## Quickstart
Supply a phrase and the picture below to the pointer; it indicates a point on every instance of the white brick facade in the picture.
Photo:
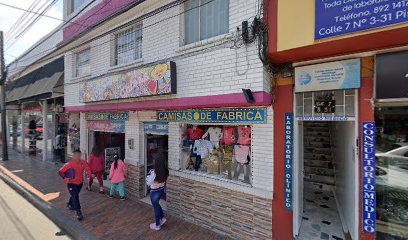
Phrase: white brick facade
(206, 68)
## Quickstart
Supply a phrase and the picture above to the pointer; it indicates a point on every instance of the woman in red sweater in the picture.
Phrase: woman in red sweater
(73, 175)
(96, 162)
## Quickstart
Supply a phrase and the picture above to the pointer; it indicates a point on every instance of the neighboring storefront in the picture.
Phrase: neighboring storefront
(391, 118)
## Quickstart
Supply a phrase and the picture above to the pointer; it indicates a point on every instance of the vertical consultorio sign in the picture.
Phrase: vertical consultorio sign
(368, 178)
(288, 161)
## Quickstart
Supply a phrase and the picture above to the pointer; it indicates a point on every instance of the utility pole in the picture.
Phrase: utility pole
(3, 77)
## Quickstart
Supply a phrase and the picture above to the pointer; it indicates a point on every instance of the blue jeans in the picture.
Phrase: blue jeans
(197, 163)
(121, 187)
(74, 199)
(155, 196)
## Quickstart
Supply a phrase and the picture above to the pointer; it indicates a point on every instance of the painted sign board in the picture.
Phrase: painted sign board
(155, 80)
(368, 178)
(328, 76)
(244, 115)
(107, 116)
(156, 127)
(326, 119)
(338, 17)
(288, 158)
(106, 126)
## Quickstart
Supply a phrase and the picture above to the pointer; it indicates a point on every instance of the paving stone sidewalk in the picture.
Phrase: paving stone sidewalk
(106, 218)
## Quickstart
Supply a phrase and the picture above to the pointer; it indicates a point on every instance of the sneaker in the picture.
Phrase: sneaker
(110, 196)
(122, 198)
(69, 207)
(153, 226)
(79, 216)
(163, 221)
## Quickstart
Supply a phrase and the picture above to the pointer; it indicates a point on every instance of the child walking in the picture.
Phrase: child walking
(73, 175)
(117, 176)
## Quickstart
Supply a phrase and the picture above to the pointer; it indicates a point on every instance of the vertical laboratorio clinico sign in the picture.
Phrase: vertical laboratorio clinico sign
(368, 178)
(288, 158)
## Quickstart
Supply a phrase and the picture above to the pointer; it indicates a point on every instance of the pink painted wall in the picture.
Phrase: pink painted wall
(94, 16)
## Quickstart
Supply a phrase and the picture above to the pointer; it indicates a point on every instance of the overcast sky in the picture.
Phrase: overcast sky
(8, 16)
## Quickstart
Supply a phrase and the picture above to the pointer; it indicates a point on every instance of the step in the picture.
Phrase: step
(317, 144)
(318, 156)
(316, 129)
(319, 164)
(316, 134)
(329, 180)
(317, 138)
(316, 124)
(312, 186)
(319, 171)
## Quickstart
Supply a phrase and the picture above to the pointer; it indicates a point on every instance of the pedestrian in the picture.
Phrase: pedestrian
(117, 176)
(73, 175)
(96, 162)
(157, 182)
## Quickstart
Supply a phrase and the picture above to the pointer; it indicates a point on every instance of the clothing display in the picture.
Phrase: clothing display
(241, 153)
(202, 148)
(223, 151)
(215, 134)
(228, 135)
(244, 135)
(195, 133)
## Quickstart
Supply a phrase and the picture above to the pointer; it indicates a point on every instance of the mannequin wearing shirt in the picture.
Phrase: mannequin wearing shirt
(215, 135)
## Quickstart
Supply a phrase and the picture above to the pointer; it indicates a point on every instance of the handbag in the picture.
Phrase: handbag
(150, 177)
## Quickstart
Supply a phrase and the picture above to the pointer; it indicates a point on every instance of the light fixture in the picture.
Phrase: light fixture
(249, 96)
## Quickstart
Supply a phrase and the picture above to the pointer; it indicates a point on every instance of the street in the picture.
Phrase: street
(21, 220)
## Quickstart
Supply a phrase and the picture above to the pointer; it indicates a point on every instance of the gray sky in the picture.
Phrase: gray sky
(8, 16)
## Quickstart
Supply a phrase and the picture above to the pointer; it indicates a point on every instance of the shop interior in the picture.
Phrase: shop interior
(157, 146)
(327, 192)
(111, 144)
(220, 150)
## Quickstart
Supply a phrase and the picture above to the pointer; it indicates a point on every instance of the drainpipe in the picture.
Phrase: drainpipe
(45, 130)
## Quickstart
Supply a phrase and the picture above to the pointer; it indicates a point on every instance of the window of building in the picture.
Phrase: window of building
(128, 45)
(83, 63)
(220, 150)
(75, 4)
(392, 172)
(204, 19)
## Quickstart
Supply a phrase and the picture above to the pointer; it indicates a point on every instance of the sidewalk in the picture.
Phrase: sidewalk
(106, 218)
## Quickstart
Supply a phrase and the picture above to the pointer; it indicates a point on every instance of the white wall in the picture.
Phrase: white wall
(215, 71)
(343, 143)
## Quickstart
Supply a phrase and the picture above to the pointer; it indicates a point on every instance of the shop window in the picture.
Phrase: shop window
(128, 45)
(392, 172)
(83, 63)
(223, 151)
(204, 19)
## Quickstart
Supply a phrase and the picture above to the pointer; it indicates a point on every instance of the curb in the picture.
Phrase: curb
(71, 227)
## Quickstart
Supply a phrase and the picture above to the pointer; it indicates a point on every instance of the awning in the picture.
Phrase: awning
(38, 84)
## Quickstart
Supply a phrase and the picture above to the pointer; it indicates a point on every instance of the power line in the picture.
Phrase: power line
(148, 15)
(22, 17)
(29, 25)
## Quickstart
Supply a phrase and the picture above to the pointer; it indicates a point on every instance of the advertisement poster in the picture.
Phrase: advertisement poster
(328, 76)
(106, 126)
(150, 81)
(338, 17)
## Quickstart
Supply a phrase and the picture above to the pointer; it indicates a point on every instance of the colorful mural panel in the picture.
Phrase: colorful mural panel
(149, 81)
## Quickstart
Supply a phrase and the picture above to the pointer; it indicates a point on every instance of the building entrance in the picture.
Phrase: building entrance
(326, 193)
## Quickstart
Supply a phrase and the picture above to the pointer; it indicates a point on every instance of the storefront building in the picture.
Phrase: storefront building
(146, 85)
(343, 174)
(35, 111)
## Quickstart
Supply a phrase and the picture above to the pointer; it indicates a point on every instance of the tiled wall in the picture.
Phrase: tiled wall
(231, 213)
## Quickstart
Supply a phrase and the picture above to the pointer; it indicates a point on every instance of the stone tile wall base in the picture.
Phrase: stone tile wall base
(234, 214)
(135, 181)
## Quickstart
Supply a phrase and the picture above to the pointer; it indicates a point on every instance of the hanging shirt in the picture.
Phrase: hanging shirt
(195, 134)
(228, 137)
(202, 147)
(215, 136)
(241, 153)
(244, 135)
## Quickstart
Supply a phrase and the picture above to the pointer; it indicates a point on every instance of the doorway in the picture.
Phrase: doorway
(326, 183)
(156, 147)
